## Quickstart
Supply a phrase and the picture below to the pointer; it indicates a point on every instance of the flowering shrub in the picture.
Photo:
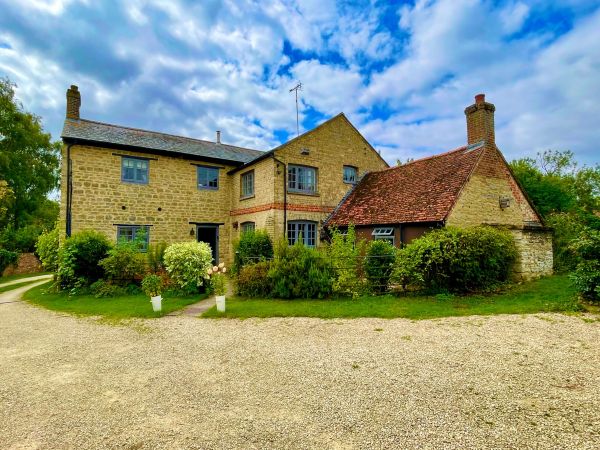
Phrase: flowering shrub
(187, 264)
(217, 279)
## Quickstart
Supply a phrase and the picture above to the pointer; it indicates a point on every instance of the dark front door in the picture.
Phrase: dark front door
(210, 235)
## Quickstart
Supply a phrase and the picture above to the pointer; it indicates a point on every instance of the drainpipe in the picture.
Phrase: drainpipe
(69, 191)
(284, 195)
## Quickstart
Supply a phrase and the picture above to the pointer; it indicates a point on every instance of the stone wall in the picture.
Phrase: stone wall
(27, 263)
(171, 199)
(535, 253)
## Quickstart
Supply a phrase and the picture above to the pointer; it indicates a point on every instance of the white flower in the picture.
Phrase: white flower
(209, 271)
(215, 269)
(224, 270)
(221, 265)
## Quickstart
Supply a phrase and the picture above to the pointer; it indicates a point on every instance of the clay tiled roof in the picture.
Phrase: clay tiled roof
(98, 132)
(421, 191)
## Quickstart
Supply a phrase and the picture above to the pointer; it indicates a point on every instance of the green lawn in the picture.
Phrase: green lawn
(22, 275)
(126, 307)
(552, 294)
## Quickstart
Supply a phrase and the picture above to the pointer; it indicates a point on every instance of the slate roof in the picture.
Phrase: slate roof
(98, 132)
(420, 191)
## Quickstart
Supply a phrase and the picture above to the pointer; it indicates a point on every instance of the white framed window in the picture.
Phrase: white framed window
(350, 174)
(384, 234)
(248, 184)
(302, 229)
(302, 179)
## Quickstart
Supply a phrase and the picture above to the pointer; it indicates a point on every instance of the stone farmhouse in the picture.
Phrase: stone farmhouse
(468, 186)
(120, 180)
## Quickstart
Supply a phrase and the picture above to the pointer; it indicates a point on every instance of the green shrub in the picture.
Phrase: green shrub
(345, 255)
(457, 260)
(156, 257)
(47, 249)
(187, 264)
(152, 285)
(300, 272)
(7, 258)
(78, 259)
(587, 273)
(253, 280)
(566, 227)
(104, 289)
(124, 263)
(252, 247)
(379, 263)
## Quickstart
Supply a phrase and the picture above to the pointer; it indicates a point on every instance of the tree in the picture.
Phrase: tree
(29, 161)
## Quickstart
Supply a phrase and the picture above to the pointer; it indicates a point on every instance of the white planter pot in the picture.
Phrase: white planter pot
(221, 303)
(156, 303)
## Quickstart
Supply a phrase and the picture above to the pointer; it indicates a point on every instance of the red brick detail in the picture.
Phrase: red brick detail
(280, 206)
(27, 263)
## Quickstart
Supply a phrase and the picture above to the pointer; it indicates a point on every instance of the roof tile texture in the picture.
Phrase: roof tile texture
(421, 191)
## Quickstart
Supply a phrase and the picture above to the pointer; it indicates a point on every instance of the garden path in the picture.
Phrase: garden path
(14, 295)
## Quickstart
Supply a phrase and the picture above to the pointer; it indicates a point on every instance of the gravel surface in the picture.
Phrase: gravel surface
(181, 382)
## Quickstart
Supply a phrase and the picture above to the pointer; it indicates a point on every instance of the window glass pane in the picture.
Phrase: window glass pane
(208, 178)
(305, 230)
(134, 170)
(248, 184)
(302, 178)
(130, 232)
(349, 174)
(248, 226)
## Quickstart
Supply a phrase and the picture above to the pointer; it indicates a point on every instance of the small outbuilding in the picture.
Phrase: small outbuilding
(471, 185)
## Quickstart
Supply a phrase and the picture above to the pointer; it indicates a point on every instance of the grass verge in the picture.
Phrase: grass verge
(551, 294)
(125, 307)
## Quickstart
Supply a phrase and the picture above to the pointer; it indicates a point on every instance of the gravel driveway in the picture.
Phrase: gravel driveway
(182, 382)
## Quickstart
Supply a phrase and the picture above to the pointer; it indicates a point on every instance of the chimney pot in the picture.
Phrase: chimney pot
(218, 136)
(480, 98)
(73, 102)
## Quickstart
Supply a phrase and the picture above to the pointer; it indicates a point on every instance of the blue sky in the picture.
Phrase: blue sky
(403, 72)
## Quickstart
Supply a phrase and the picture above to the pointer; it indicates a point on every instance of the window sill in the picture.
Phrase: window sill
(247, 197)
(350, 182)
(137, 183)
(307, 194)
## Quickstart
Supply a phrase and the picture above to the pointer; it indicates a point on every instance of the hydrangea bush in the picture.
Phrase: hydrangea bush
(187, 264)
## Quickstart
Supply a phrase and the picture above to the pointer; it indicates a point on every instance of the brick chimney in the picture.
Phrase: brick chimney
(73, 102)
(480, 121)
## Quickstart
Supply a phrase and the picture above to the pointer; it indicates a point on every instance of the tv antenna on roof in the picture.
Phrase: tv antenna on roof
(297, 88)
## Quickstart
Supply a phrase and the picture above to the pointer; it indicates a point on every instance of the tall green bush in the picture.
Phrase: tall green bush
(47, 249)
(345, 254)
(187, 264)
(156, 256)
(7, 258)
(587, 273)
(379, 263)
(300, 272)
(459, 260)
(252, 247)
(79, 257)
